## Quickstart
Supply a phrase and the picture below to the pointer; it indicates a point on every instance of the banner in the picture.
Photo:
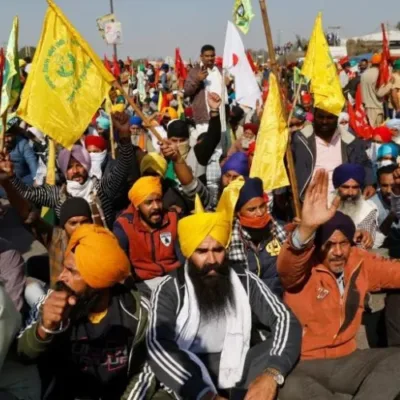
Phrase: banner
(102, 21)
(113, 32)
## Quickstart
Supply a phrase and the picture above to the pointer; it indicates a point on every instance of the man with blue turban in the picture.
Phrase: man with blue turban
(348, 181)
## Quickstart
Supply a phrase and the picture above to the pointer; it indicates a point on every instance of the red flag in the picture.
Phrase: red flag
(358, 117)
(116, 70)
(384, 73)
(107, 64)
(2, 62)
(181, 72)
(251, 62)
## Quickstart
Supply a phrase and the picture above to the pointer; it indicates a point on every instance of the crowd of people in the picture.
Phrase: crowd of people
(172, 273)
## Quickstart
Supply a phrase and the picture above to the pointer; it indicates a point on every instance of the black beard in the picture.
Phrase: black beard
(84, 302)
(149, 222)
(214, 293)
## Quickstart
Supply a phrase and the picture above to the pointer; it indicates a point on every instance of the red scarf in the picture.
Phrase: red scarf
(255, 222)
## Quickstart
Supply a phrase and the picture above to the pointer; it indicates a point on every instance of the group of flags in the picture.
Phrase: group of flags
(68, 83)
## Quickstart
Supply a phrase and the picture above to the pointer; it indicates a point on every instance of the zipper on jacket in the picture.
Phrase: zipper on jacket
(343, 302)
(153, 253)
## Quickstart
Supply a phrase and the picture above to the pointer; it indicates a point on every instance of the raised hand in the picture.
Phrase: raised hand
(121, 123)
(214, 101)
(316, 210)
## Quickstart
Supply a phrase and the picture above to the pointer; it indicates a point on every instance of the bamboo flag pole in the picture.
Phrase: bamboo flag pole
(274, 66)
(296, 99)
(138, 112)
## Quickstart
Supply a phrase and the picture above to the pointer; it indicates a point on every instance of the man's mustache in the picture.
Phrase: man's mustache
(75, 176)
(212, 267)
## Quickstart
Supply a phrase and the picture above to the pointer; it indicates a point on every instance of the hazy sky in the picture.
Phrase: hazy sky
(156, 27)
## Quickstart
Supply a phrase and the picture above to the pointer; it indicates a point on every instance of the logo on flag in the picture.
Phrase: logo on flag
(240, 11)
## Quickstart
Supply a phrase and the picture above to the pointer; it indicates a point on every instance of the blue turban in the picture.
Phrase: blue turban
(237, 162)
(388, 149)
(252, 188)
(135, 121)
(103, 122)
(339, 222)
(345, 172)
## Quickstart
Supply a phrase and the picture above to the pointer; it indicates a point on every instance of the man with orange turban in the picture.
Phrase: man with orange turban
(93, 321)
(373, 95)
(147, 234)
(202, 319)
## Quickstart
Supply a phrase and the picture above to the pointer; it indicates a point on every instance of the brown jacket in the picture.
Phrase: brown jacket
(330, 322)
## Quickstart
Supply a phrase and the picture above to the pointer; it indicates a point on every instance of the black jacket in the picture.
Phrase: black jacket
(304, 154)
(174, 367)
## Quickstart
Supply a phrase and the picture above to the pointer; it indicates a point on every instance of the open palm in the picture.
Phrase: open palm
(316, 210)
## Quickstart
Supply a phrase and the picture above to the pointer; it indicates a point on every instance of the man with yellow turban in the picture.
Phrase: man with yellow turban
(147, 233)
(199, 336)
(95, 323)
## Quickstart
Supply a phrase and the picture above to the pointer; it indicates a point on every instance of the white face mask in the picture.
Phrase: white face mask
(384, 163)
(97, 161)
(75, 189)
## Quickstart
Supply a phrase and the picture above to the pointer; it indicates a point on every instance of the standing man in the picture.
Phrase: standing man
(394, 104)
(373, 96)
(325, 145)
(207, 78)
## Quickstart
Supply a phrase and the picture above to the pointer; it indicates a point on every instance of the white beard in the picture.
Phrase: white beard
(352, 208)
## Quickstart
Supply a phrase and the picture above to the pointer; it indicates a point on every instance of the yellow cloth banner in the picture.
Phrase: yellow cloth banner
(67, 82)
(268, 161)
(320, 68)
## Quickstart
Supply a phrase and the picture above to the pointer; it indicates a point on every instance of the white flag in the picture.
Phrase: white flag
(236, 63)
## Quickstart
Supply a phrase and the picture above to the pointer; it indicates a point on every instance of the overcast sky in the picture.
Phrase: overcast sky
(156, 27)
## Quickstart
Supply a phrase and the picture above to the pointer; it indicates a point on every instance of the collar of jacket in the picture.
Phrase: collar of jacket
(345, 135)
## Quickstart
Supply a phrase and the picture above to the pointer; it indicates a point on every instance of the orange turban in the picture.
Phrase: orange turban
(143, 188)
(98, 257)
(376, 59)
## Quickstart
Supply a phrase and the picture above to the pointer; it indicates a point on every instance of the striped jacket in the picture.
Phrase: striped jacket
(108, 188)
(176, 370)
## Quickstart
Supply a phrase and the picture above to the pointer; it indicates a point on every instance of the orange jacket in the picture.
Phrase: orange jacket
(330, 322)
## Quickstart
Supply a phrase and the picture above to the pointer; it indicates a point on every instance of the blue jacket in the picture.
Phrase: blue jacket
(24, 159)
(304, 154)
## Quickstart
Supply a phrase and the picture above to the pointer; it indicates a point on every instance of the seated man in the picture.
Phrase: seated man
(199, 340)
(91, 328)
(348, 180)
(147, 233)
(256, 236)
(326, 279)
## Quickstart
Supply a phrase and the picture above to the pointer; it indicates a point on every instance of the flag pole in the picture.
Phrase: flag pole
(138, 111)
(296, 99)
(274, 66)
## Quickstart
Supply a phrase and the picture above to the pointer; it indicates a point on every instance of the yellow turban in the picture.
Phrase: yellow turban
(99, 258)
(194, 229)
(118, 108)
(154, 162)
(143, 188)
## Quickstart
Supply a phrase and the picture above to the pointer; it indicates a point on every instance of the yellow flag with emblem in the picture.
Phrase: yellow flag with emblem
(67, 82)
(320, 68)
(268, 161)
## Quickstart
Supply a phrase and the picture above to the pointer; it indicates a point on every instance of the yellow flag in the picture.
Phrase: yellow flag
(320, 68)
(67, 82)
(268, 162)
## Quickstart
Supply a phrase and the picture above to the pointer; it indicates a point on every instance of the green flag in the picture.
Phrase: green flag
(11, 80)
(243, 14)
(298, 78)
